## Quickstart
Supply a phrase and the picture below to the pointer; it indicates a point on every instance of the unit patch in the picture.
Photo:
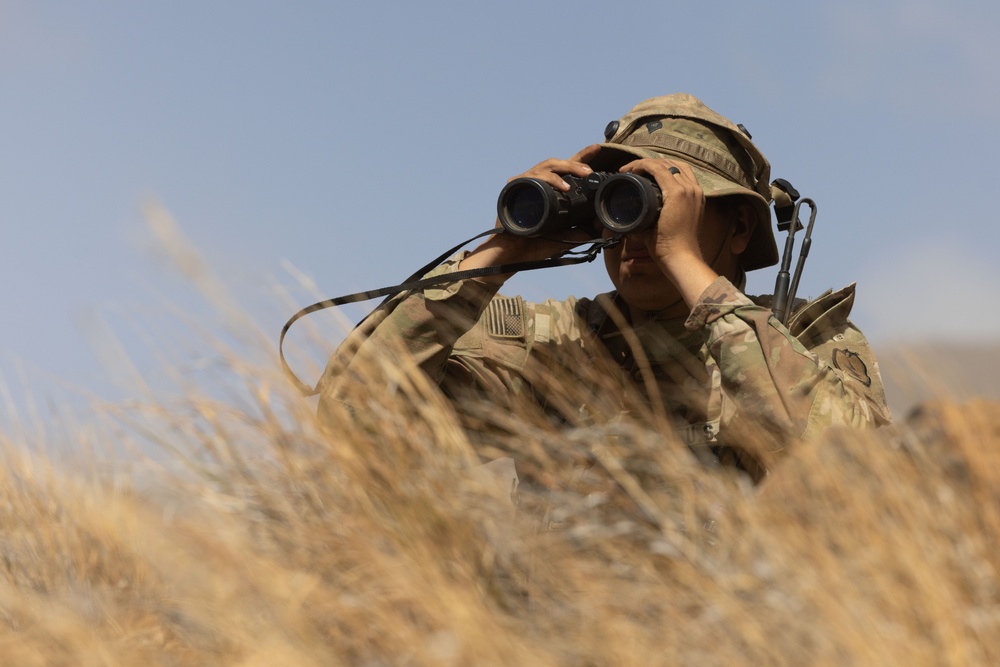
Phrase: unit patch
(852, 364)
(505, 317)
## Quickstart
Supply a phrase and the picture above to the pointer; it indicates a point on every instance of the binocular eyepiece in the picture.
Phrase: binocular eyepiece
(622, 203)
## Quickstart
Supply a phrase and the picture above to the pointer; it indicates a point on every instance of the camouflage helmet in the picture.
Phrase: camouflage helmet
(723, 158)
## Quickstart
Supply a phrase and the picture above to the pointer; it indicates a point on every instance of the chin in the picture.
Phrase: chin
(649, 300)
(644, 288)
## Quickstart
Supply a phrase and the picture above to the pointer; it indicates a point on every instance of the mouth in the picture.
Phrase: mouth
(636, 256)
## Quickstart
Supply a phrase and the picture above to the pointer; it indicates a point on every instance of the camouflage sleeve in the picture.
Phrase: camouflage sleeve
(817, 372)
(425, 324)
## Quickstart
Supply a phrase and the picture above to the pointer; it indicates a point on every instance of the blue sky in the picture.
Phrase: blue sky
(310, 149)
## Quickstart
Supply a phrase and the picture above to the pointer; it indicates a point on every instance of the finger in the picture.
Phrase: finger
(550, 171)
(666, 172)
(680, 169)
(555, 179)
(552, 178)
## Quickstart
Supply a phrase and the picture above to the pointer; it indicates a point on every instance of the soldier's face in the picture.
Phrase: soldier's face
(643, 285)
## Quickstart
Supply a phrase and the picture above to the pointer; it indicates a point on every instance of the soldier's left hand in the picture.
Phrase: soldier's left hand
(675, 236)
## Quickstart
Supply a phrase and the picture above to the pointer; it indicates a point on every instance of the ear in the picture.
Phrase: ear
(744, 224)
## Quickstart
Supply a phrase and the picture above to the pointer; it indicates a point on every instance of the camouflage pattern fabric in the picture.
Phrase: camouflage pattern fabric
(727, 370)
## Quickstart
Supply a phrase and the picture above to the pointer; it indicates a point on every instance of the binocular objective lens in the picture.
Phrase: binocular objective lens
(623, 203)
(526, 207)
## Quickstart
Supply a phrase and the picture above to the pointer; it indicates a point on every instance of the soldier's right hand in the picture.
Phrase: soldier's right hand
(552, 170)
(507, 248)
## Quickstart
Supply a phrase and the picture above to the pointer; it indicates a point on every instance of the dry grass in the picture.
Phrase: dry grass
(267, 539)
(372, 543)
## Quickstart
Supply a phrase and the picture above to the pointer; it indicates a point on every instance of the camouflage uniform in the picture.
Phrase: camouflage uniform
(726, 370)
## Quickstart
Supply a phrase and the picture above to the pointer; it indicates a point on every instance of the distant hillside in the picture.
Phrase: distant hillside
(916, 372)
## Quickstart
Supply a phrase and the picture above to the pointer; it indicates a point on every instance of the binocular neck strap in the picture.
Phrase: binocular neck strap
(417, 282)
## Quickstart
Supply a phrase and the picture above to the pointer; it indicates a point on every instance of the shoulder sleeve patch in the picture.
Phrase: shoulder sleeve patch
(852, 364)
(505, 318)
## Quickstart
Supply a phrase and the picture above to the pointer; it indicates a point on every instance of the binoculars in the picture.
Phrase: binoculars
(622, 203)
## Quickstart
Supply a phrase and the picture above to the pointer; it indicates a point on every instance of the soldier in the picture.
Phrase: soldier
(677, 328)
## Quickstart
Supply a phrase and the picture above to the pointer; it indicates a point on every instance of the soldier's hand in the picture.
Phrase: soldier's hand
(676, 231)
(552, 170)
(674, 242)
(507, 248)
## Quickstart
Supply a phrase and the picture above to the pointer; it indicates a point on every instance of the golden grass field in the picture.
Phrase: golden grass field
(254, 536)
(260, 538)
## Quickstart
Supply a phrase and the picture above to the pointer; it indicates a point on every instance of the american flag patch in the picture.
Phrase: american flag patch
(505, 317)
